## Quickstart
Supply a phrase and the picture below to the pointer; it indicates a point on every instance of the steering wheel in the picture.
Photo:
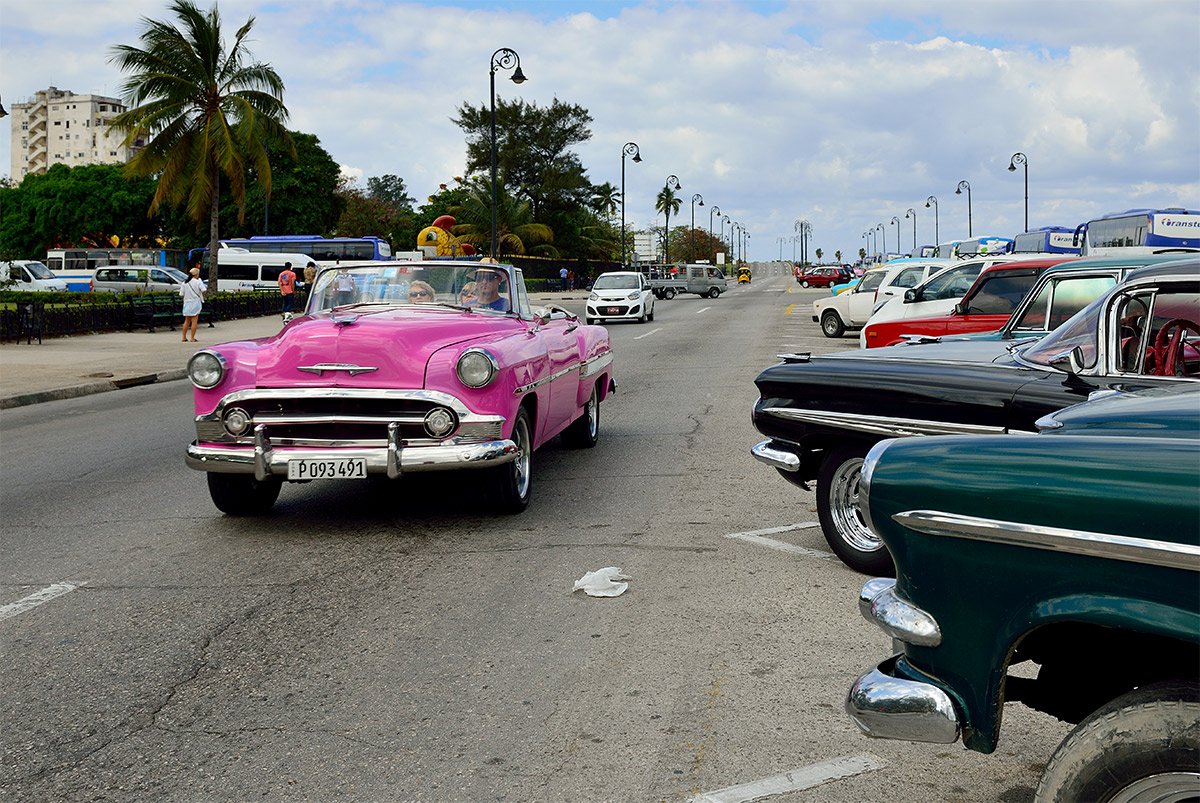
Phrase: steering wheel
(1169, 347)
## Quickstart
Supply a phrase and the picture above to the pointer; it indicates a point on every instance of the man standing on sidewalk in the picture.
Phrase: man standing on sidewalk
(562, 278)
(287, 287)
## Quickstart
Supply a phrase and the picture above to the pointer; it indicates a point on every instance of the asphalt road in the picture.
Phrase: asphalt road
(369, 641)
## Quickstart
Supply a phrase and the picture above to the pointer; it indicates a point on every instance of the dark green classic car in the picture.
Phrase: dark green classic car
(1078, 550)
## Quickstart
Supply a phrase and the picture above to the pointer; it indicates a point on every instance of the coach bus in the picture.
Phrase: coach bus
(1046, 240)
(77, 266)
(1141, 231)
(318, 248)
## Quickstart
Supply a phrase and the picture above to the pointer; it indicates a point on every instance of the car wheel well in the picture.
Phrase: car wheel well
(1067, 652)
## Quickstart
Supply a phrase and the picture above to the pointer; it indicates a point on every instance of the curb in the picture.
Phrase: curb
(75, 391)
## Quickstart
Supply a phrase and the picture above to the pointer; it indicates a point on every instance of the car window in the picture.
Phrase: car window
(1081, 331)
(869, 282)
(999, 294)
(38, 270)
(1065, 297)
(952, 282)
(909, 277)
(615, 282)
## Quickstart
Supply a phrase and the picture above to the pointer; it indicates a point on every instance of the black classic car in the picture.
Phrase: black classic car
(822, 413)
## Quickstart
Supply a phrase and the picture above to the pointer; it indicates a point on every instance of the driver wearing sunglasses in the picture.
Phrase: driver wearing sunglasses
(487, 289)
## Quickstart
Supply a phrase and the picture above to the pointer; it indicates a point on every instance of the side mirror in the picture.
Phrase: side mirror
(1071, 362)
(960, 308)
(910, 296)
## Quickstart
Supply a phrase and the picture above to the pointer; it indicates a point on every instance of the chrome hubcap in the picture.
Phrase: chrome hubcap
(1167, 787)
(521, 464)
(843, 507)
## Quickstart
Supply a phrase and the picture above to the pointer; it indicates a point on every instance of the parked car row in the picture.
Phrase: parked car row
(1075, 552)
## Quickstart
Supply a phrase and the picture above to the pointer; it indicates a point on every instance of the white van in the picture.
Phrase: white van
(239, 269)
(29, 274)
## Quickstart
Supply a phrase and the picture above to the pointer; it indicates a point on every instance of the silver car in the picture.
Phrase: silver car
(135, 279)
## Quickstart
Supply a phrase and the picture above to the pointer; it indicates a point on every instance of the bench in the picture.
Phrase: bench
(153, 310)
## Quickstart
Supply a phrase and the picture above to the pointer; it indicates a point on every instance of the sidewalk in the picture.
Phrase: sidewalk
(67, 367)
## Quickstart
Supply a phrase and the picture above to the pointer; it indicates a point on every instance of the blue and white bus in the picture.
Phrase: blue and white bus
(319, 248)
(77, 266)
(1142, 231)
(965, 249)
(1046, 240)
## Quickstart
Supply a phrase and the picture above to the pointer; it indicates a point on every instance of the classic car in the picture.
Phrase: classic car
(821, 276)
(620, 295)
(852, 309)
(822, 413)
(936, 295)
(1060, 571)
(997, 291)
(397, 368)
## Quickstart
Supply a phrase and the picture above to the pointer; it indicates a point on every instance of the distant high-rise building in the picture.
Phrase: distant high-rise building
(59, 126)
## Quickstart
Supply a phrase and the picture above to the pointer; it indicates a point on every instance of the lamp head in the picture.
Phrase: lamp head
(637, 157)
(1012, 168)
(518, 77)
(958, 191)
(927, 204)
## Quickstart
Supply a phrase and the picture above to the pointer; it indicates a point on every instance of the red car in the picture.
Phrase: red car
(986, 306)
(823, 277)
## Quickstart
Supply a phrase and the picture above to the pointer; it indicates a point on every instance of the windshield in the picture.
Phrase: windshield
(484, 287)
(1080, 330)
(952, 282)
(176, 274)
(869, 281)
(38, 270)
(615, 281)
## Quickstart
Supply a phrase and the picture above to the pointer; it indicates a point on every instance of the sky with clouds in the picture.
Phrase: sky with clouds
(844, 113)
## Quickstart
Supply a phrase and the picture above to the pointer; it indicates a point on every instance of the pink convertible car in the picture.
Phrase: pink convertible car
(398, 367)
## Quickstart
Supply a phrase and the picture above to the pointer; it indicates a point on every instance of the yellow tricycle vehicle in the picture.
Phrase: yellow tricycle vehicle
(743, 276)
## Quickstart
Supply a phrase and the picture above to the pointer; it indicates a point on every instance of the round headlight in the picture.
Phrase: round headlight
(633, 296)
(206, 369)
(476, 368)
(439, 422)
(593, 297)
(237, 421)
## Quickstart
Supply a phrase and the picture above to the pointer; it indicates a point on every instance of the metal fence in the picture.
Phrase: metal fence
(31, 320)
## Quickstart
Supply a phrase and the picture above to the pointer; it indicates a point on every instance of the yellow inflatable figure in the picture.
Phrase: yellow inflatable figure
(436, 240)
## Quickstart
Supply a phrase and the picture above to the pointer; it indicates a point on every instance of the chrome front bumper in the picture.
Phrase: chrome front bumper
(885, 705)
(766, 453)
(263, 460)
(888, 707)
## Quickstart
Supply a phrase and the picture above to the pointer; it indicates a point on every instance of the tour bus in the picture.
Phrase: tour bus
(313, 246)
(77, 266)
(1141, 231)
(1046, 240)
(983, 245)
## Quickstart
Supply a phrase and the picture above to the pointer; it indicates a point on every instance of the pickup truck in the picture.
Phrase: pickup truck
(702, 280)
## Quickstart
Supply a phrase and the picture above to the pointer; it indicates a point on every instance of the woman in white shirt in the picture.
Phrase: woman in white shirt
(193, 301)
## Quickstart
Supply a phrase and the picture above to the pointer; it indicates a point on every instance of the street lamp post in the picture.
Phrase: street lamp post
(629, 149)
(1019, 158)
(503, 59)
(721, 236)
(672, 182)
(937, 237)
(711, 211)
(745, 244)
(913, 214)
(966, 185)
(696, 197)
(883, 239)
(866, 238)
(896, 220)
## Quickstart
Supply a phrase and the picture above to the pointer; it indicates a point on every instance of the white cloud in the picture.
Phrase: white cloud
(846, 114)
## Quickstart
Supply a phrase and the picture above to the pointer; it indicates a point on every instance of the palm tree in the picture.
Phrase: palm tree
(516, 232)
(206, 110)
(837, 255)
(605, 198)
(818, 252)
(667, 202)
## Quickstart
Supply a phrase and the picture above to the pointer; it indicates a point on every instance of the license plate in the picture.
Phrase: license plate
(343, 468)
(614, 310)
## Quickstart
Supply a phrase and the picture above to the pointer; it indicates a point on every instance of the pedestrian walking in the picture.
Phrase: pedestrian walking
(562, 278)
(287, 287)
(310, 274)
(570, 280)
(193, 301)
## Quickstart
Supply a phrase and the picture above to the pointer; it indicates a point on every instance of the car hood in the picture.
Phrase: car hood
(391, 345)
(964, 351)
(1169, 412)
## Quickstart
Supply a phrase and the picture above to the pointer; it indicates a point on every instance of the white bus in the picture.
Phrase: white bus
(1142, 231)
(255, 270)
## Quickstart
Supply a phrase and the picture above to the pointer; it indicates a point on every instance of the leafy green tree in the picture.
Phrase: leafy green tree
(516, 231)
(390, 190)
(204, 109)
(303, 198)
(667, 202)
(533, 156)
(605, 199)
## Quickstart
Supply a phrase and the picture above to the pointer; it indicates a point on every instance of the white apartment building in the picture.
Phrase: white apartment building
(59, 126)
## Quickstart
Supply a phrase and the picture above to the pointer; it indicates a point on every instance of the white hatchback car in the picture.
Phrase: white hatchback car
(620, 295)
(852, 308)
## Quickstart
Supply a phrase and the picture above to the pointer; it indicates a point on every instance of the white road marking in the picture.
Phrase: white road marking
(703, 309)
(794, 780)
(757, 537)
(35, 599)
(652, 331)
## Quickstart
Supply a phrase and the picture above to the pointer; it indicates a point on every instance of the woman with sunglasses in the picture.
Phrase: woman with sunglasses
(466, 296)
(420, 292)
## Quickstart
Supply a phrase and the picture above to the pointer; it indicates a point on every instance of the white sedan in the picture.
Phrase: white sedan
(620, 295)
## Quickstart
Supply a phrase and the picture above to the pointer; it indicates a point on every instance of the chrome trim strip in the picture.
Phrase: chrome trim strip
(464, 414)
(320, 368)
(766, 453)
(887, 707)
(1054, 539)
(882, 606)
(278, 420)
(596, 364)
(545, 380)
(886, 426)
